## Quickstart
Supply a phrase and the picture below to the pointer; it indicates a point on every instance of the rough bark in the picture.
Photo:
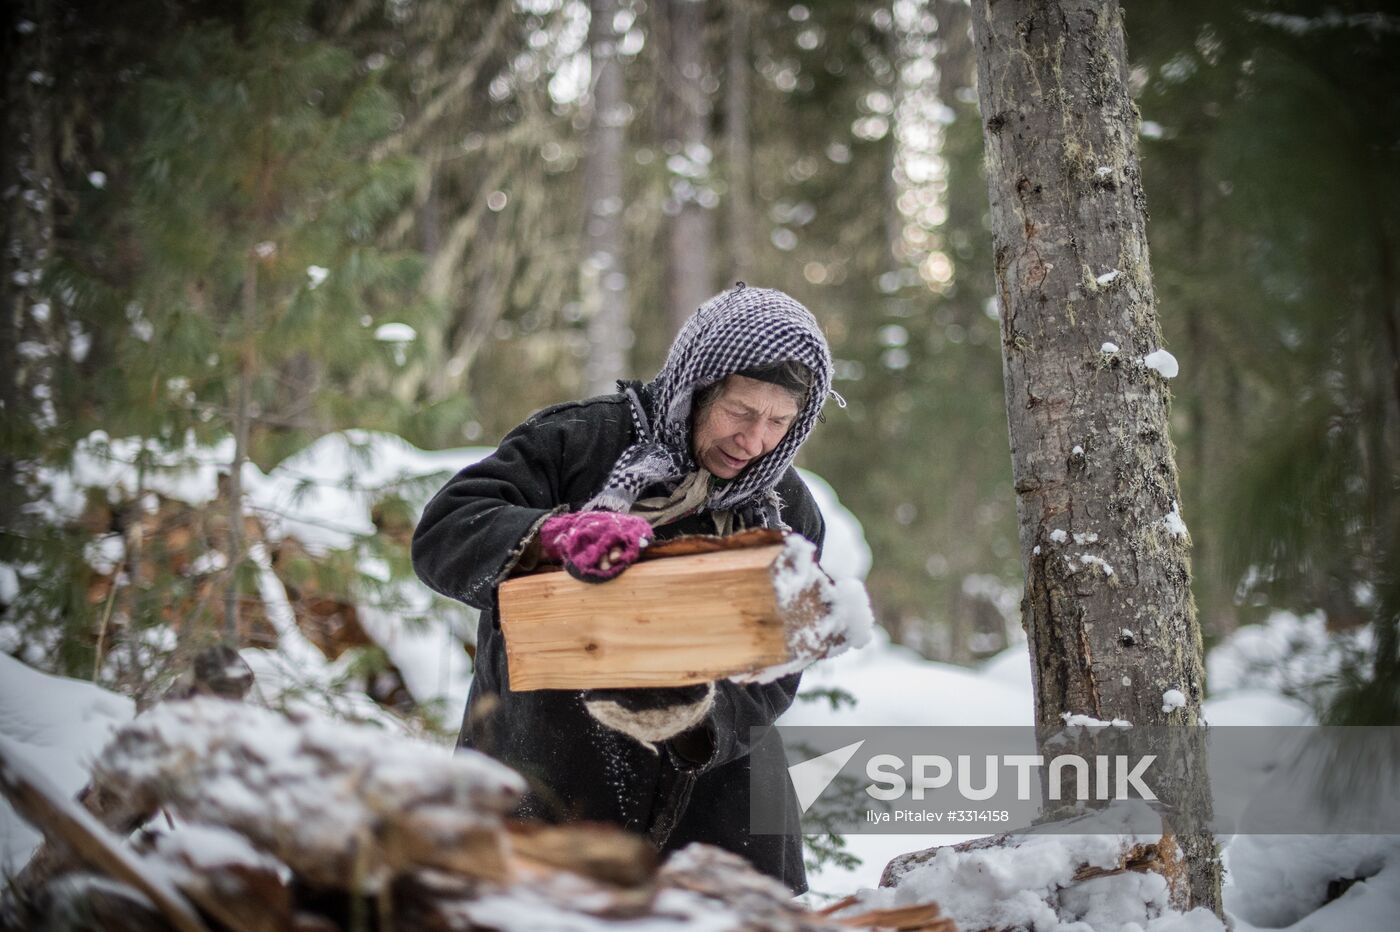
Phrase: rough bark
(604, 279)
(1107, 605)
(739, 154)
(687, 109)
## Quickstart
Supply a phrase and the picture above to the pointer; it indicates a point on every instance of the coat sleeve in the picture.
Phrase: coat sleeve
(474, 530)
(738, 707)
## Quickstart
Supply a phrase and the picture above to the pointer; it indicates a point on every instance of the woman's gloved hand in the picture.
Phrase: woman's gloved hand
(594, 546)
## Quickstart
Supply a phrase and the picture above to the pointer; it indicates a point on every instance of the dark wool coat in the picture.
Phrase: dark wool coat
(471, 535)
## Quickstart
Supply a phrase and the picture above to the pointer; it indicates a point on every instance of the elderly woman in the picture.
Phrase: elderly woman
(704, 448)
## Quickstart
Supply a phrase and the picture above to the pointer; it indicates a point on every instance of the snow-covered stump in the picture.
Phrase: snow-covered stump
(343, 806)
(1048, 881)
(752, 607)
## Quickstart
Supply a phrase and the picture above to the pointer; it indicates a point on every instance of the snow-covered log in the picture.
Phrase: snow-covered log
(752, 606)
(228, 878)
(1089, 871)
(295, 820)
(63, 821)
(345, 806)
(216, 671)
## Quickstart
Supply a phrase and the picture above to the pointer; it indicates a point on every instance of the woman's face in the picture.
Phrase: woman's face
(747, 420)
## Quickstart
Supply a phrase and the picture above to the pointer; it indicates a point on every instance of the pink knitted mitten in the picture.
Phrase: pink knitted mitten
(594, 546)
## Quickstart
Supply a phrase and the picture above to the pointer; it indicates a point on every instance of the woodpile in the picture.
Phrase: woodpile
(268, 821)
(163, 537)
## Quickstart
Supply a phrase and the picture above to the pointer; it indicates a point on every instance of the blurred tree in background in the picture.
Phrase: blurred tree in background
(214, 210)
(1273, 134)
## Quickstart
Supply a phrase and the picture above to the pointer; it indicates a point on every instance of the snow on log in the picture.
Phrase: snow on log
(753, 606)
(64, 821)
(345, 806)
(216, 671)
(1102, 877)
(227, 877)
(289, 820)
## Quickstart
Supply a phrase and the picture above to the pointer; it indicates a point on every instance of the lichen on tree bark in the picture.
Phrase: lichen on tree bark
(1108, 606)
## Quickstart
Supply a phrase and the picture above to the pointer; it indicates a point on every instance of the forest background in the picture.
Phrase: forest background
(269, 221)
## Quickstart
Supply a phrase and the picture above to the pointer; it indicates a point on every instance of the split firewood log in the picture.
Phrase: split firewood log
(751, 606)
(601, 851)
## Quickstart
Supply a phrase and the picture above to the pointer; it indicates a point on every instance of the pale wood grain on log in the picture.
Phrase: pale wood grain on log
(664, 622)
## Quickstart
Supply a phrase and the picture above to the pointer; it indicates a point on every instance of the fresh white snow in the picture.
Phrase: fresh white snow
(56, 724)
(1161, 362)
(1259, 675)
(395, 333)
(1175, 526)
(1030, 886)
(1091, 724)
(847, 623)
(1273, 882)
(1287, 655)
(1088, 559)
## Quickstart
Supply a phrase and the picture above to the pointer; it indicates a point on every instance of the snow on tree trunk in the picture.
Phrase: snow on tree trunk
(1107, 604)
(604, 280)
(686, 110)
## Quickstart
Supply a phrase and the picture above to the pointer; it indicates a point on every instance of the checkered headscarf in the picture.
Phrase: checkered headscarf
(736, 330)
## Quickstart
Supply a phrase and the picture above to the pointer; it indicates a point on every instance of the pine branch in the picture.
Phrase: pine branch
(456, 90)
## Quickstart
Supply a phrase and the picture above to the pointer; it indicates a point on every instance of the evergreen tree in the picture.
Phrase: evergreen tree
(229, 253)
(1272, 140)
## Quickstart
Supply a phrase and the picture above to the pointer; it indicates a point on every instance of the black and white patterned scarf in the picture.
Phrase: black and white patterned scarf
(736, 330)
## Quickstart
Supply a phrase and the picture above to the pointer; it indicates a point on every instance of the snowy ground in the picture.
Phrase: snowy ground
(1274, 882)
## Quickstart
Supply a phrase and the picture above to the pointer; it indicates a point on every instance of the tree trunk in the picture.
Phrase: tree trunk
(603, 277)
(1107, 605)
(29, 179)
(242, 418)
(687, 112)
(740, 148)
